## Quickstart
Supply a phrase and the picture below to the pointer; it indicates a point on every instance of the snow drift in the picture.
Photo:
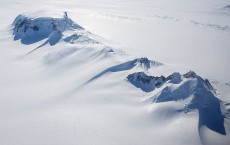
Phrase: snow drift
(74, 60)
(174, 87)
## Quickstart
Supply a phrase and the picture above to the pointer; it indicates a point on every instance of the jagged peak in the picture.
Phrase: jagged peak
(190, 74)
(199, 94)
(139, 78)
(145, 63)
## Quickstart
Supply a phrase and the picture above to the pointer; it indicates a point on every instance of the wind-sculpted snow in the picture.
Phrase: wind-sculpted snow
(54, 30)
(30, 30)
(143, 63)
(190, 85)
(90, 71)
(203, 99)
(176, 88)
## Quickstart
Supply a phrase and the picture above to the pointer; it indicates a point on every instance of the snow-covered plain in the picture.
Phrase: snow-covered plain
(86, 81)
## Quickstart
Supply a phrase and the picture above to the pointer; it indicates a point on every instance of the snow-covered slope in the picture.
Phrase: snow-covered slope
(61, 84)
(31, 31)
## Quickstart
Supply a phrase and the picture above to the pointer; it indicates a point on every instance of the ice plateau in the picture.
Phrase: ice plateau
(78, 82)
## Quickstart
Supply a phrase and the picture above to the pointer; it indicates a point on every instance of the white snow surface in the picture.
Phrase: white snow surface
(67, 85)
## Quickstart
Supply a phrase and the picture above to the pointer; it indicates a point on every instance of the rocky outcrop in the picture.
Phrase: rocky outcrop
(75, 38)
(30, 30)
(142, 81)
(198, 91)
(202, 96)
(145, 63)
(149, 83)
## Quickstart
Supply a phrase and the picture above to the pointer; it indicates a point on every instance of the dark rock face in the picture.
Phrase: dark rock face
(23, 23)
(145, 63)
(140, 77)
(72, 38)
(75, 38)
(190, 74)
(160, 81)
(35, 28)
(142, 81)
